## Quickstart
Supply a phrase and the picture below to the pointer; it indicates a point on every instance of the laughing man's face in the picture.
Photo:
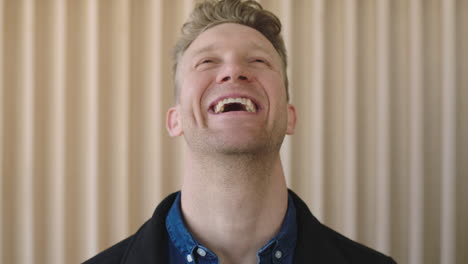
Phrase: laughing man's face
(232, 97)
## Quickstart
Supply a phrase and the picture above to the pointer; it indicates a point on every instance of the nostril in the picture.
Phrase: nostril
(242, 78)
(227, 78)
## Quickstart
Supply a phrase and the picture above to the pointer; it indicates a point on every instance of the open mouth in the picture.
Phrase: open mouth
(234, 104)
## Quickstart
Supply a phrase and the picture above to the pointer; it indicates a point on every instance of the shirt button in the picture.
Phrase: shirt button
(201, 252)
(278, 254)
(189, 258)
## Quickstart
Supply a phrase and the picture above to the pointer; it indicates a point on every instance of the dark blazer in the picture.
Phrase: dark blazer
(316, 243)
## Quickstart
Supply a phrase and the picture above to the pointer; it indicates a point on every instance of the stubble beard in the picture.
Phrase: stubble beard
(247, 159)
(221, 145)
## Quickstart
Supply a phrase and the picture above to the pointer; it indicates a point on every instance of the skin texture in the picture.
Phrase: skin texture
(234, 196)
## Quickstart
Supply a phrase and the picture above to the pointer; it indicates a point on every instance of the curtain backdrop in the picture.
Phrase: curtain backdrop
(380, 153)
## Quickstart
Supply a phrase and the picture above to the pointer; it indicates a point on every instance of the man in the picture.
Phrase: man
(232, 109)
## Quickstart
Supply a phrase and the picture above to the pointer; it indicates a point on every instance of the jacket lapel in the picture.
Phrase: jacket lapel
(149, 245)
(313, 245)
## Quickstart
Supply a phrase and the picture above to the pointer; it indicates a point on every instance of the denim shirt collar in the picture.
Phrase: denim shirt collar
(283, 242)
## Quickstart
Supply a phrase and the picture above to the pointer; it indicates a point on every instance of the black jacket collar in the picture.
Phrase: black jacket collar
(316, 243)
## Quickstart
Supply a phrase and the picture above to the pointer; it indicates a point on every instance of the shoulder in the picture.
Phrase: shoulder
(353, 251)
(318, 243)
(112, 255)
(147, 245)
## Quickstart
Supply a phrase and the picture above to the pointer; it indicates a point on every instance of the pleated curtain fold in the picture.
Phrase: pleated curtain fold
(380, 152)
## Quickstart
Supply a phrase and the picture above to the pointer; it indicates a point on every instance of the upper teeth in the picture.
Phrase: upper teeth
(249, 105)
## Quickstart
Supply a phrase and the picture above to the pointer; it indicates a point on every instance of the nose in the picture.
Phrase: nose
(233, 73)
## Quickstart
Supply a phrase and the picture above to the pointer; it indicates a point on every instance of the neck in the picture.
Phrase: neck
(234, 205)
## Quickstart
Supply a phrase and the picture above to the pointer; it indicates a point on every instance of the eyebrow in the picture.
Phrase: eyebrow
(214, 46)
(204, 49)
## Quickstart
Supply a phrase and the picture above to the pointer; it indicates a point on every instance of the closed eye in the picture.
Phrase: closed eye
(206, 61)
(260, 62)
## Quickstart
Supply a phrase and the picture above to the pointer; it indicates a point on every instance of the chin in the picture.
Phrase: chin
(254, 146)
(238, 150)
(236, 143)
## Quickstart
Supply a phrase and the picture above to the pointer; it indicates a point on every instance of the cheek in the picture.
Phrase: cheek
(193, 86)
(204, 82)
(192, 91)
(274, 86)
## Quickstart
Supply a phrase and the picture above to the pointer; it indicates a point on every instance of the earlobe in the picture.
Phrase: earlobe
(173, 124)
(291, 119)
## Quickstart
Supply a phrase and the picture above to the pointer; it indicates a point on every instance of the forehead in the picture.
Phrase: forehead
(230, 35)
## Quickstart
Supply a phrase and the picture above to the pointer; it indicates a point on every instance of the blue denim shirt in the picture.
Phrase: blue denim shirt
(185, 249)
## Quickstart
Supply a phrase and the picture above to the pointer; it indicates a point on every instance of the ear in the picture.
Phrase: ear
(291, 120)
(173, 124)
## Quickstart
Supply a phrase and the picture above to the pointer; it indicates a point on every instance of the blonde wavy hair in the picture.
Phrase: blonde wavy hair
(210, 13)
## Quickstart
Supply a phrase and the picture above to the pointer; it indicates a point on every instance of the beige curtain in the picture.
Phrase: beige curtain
(380, 154)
